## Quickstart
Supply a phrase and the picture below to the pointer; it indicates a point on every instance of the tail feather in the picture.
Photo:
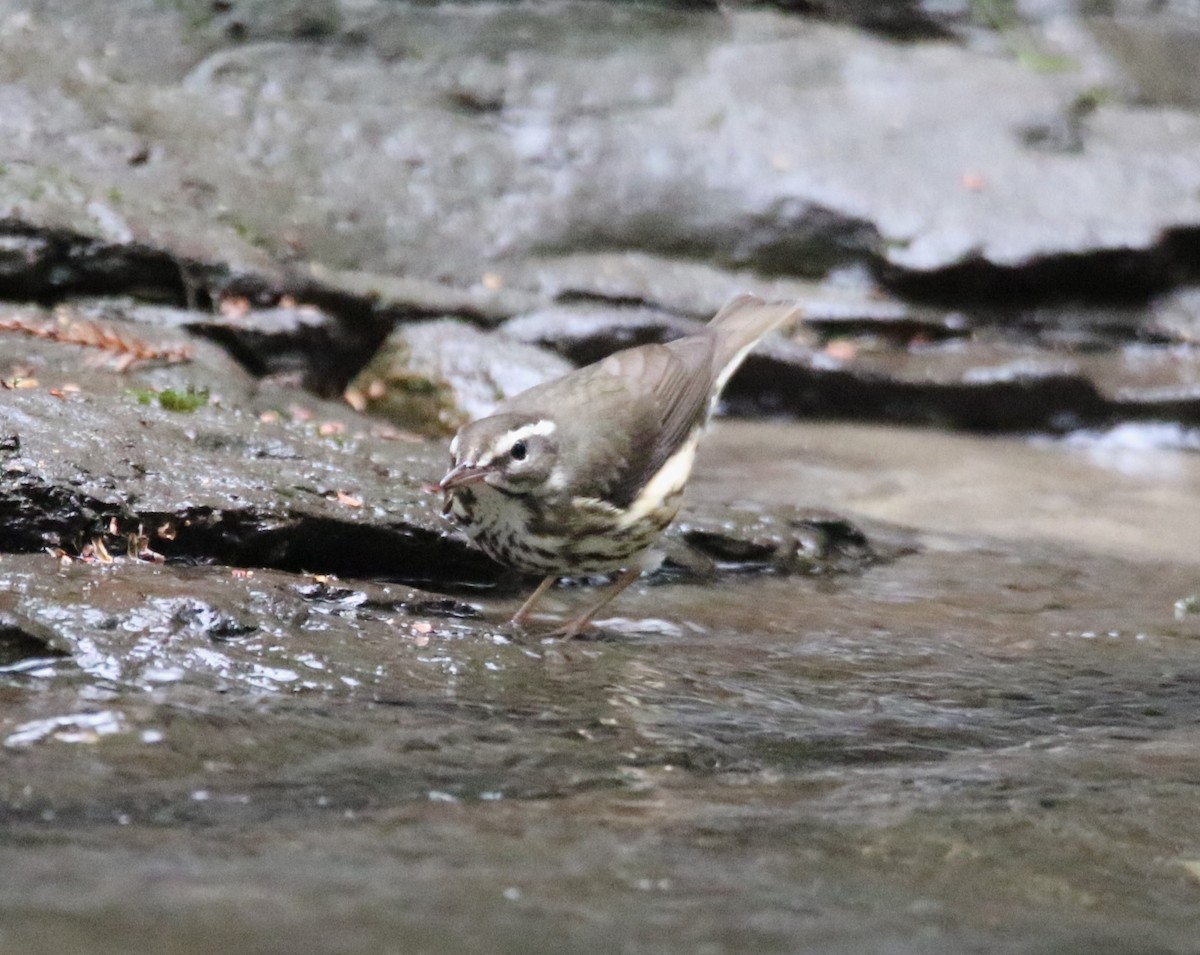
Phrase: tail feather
(738, 327)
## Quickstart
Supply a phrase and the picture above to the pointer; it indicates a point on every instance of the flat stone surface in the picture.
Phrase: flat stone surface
(449, 140)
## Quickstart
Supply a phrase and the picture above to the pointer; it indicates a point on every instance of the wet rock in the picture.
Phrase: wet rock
(748, 537)
(597, 312)
(986, 383)
(1157, 45)
(263, 20)
(673, 145)
(319, 349)
(586, 333)
(25, 644)
(222, 484)
(252, 476)
(432, 378)
(486, 302)
(901, 19)
(631, 279)
(1177, 315)
(247, 473)
(144, 626)
(48, 264)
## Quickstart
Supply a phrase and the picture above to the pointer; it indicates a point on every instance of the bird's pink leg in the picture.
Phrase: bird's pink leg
(576, 625)
(519, 618)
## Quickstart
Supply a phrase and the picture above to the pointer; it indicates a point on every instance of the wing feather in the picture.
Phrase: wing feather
(637, 407)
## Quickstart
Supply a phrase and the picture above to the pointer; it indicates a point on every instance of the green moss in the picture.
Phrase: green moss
(184, 402)
(995, 14)
(414, 385)
(1041, 62)
(1087, 101)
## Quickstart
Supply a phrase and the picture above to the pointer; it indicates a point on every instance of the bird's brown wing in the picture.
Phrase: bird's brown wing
(670, 387)
(674, 383)
(623, 417)
(631, 411)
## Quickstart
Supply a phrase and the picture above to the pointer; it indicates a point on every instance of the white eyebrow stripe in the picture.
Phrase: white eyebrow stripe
(542, 428)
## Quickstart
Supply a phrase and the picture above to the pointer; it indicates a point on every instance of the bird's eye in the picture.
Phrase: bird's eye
(519, 451)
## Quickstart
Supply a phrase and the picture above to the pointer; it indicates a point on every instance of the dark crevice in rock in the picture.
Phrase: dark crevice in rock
(23, 641)
(1054, 403)
(313, 544)
(587, 297)
(895, 19)
(324, 350)
(48, 266)
(35, 516)
(799, 239)
(902, 20)
(360, 324)
(1105, 276)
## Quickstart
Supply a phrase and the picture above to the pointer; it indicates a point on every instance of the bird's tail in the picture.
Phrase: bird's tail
(739, 325)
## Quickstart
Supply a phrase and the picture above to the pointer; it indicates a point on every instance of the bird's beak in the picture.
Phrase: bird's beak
(460, 475)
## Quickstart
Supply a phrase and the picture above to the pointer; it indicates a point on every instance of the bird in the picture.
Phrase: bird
(580, 475)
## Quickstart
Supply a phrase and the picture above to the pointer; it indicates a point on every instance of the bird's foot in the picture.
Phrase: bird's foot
(576, 628)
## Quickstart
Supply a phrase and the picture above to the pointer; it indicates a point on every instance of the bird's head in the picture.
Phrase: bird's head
(511, 452)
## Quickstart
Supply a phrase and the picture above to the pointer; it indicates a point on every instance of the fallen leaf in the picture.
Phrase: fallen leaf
(235, 306)
(842, 349)
(973, 181)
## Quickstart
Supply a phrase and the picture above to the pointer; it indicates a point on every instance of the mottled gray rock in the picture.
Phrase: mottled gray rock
(585, 333)
(434, 377)
(1177, 315)
(458, 140)
(1157, 45)
(981, 385)
(321, 349)
(196, 460)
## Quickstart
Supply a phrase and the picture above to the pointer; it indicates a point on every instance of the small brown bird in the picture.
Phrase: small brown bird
(580, 475)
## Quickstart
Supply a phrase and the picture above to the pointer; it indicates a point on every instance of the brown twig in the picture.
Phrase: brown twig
(123, 350)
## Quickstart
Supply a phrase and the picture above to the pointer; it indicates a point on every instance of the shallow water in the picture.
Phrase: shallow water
(1132, 492)
(990, 744)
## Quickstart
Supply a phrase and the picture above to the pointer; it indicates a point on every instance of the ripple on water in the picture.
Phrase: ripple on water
(68, 728)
